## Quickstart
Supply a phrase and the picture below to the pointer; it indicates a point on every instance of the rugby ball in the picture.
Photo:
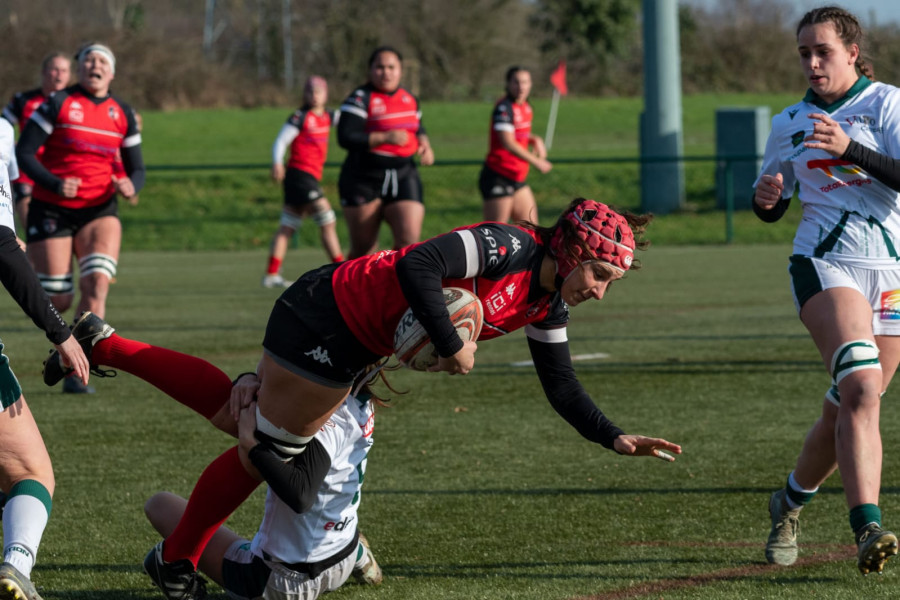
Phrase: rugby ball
(412, 345)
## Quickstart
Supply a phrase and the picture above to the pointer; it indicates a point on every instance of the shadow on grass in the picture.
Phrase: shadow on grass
(602, 492)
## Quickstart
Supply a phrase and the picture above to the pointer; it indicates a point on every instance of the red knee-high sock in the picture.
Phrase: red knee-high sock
(191, 381)
(222, 487)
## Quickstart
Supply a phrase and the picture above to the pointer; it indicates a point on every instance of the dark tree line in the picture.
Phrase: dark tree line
(201, 53)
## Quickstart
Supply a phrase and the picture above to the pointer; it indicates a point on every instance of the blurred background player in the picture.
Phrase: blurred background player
(74, 210)
(56, 70)
(839, 148)
(507, 198)
(306, 134)
(295, 554)
(26, 473)
(381, 128)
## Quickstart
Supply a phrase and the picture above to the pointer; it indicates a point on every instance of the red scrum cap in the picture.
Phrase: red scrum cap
(605, 232)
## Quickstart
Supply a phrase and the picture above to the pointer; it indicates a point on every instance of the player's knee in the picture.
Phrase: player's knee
(278, 440)
(858, 361)
(290, 220)
(57, 285)
(324, 217)
(101, 264)
(853, 357)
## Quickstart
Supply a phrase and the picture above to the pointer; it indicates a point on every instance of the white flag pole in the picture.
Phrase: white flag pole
(551, 123)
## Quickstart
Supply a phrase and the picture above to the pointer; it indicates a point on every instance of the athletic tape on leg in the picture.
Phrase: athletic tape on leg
(325, 217)
(97, 263)
(852, 357)
(290, 220)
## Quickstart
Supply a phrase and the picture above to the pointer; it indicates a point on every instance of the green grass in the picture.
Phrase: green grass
(238, 208)
(475, 488)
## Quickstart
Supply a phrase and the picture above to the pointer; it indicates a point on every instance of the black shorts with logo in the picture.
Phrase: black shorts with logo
(301, 188)
(361, 186)
(494, 185)
(307, 335)
(47, 221)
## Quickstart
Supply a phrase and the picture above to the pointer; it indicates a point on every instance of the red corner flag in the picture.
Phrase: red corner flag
(558, 78)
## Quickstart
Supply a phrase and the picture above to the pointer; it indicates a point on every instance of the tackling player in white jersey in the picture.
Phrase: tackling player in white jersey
(309, 542)
(839, 149)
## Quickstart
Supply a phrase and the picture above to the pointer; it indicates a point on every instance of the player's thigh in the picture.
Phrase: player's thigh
(51, 256)
(23, 454)
(888, 356)
(498, 209)
(405, 218)
(524, 205)
(100, 236)
(293, 402)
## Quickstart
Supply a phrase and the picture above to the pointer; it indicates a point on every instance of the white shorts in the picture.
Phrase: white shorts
(247, 576)
(881, 287)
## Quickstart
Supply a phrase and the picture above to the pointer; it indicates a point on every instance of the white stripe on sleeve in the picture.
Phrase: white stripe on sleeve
(471, 252)
(548, 336)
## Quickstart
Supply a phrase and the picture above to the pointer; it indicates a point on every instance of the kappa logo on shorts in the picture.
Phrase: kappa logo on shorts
(890, 305)
(319, 355)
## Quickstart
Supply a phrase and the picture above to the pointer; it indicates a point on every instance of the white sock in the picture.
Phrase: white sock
(24, 520)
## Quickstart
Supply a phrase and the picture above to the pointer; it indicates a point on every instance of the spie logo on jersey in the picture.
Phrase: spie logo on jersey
(76, 112)
(494, 250)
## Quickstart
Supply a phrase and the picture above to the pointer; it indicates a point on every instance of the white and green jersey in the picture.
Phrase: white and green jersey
(9, 171)
(847, 214)
(330, 525)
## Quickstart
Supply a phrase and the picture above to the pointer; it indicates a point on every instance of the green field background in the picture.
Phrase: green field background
(475, 489)
(237, 207)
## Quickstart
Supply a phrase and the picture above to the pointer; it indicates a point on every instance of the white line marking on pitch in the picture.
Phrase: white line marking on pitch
(575, 357)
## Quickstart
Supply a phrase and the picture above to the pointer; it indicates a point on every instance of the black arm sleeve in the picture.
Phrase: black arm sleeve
(567, 396)
(297, 481)
(32, 138)
(351, 132)
(774, 213)
(420, 274)
(133, 160)
(22, 284)
(880, 166)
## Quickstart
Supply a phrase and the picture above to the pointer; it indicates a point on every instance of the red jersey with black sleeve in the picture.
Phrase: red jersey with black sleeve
(515, 117)
(81, 135)
(499, 263)
(309, 146)
(367, 110)
(18, 111)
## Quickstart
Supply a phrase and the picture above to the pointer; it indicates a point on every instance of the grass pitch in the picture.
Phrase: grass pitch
(475, 488)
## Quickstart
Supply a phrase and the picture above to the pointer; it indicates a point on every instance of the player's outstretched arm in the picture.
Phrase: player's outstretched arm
(639, 445)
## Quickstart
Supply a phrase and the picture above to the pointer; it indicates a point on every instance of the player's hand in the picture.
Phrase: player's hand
(70, 187)
(22, 246)
(460, 363)
(827, 135)
(124, 186)
(639, 445)
(426, 154)
(540, 150)
(543, 165)
(243, 394)
(769, 191)
(278, 172)
(247, 427)
(73, 357)
(396, 137)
